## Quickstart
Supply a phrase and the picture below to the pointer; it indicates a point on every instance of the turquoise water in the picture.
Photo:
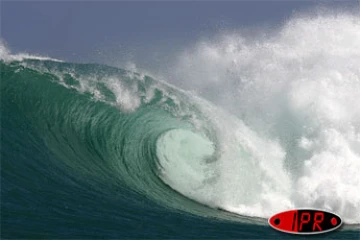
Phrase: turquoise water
(91, 151)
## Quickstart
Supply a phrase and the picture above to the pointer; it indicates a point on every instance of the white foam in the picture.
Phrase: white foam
(299, 89)
(127, 98)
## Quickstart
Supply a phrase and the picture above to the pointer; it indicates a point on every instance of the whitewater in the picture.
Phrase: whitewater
(251, 124)
(298, 89)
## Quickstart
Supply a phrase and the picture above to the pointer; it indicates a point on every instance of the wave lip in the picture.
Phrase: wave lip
(6, 55)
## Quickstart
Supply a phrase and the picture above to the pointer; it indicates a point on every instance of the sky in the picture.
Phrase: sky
(114, 32)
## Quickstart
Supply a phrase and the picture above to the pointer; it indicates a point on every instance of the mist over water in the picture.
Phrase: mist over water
(293, 137)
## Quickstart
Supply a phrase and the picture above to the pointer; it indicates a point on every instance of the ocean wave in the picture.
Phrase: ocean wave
(280, 127)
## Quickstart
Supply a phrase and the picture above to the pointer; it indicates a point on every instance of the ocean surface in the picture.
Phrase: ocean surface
(92, 151)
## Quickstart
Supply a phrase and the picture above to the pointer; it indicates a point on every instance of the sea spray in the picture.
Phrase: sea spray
(298, 88)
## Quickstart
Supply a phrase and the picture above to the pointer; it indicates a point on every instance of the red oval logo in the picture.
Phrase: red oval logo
(305, 221)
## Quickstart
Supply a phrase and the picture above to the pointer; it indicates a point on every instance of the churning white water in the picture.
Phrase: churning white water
(288, 134)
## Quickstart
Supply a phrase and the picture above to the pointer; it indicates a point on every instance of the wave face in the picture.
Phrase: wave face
(85, 146)
(280, 127)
